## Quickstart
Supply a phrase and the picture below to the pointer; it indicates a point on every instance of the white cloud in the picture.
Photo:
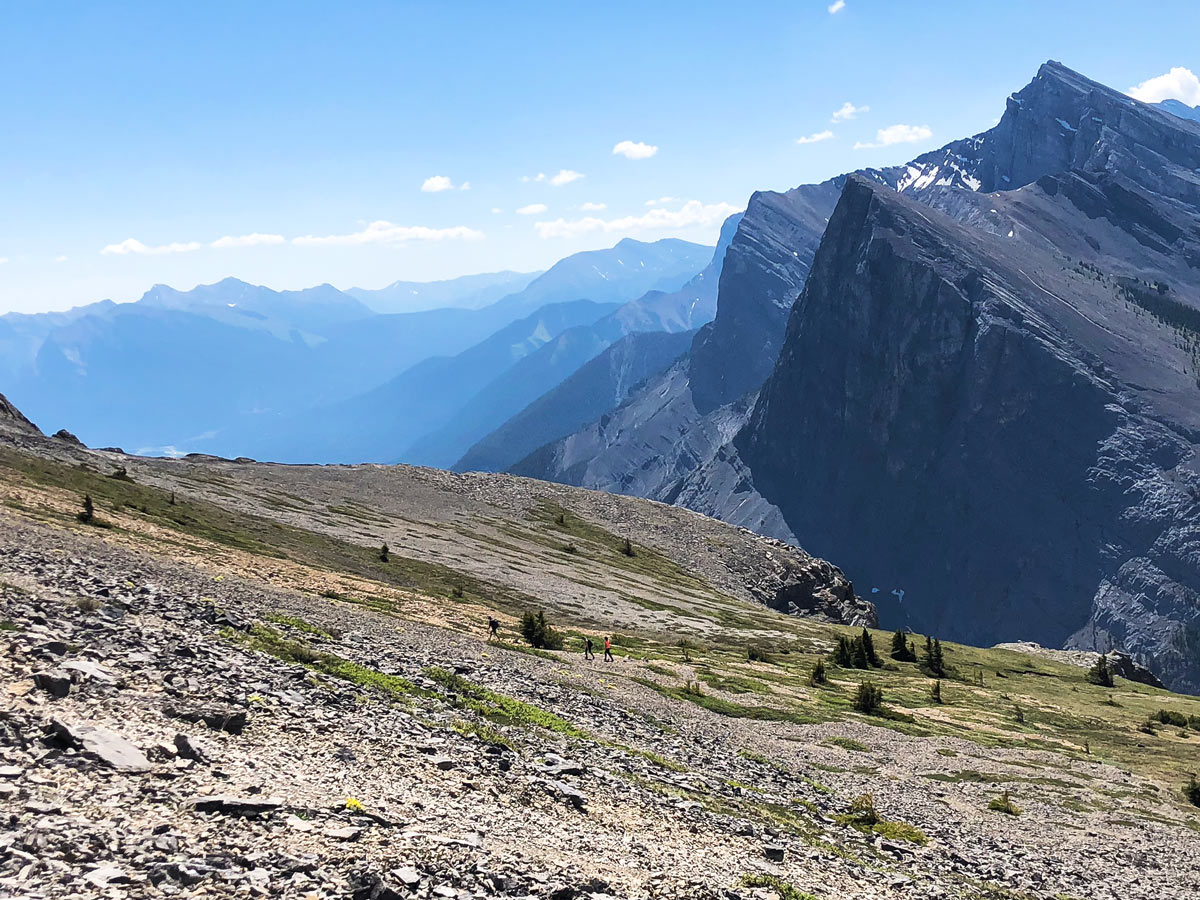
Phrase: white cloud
(564, 176)
(1178, 84)
(634, 150)
(132, 245)
(382, 232)
(62, 258)
(897, 134)
(593, 207)
(837, 6)
(465, 186)
(848, 111)
(815, 138)
(435, 184)
(247, 240)
(496, 209)
(691, 214)
(532, 209)
(661, 200)
(3, 260)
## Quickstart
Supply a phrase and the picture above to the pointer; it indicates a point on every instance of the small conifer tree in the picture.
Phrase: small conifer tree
(384, 553)
(1100, 674)
(868, 697)
(818, 674)
(869, 649)
(89, 510)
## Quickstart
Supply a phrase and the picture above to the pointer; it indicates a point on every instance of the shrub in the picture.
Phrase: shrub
(935, 692)
(1018, 714)
(384, 553)
(1100, 674)
(818, 674)
(570, 548)
(1191, 790)
(693, 688)
(456, 592)
(538, 633)
(87, 604)
(627, 548)
(1171, 717)
(862, 811)
(1004, 804)
(758, 653)
(868, 697)
(89, 510)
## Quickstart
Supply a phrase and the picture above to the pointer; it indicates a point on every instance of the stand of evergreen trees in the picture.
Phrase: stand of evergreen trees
(857, 652)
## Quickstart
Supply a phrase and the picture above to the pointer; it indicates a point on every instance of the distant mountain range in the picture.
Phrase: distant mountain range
(231, 368)
(984, 402)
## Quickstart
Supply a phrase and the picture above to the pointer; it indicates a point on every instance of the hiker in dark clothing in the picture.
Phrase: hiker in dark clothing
(608, 657)
(494, 626)
(587, 649)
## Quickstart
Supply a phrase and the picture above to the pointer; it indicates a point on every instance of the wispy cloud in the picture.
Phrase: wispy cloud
(247, 240)
(837, 6)
(691, 214)
(1178, 84)
(3, 260)
(382, 232)
(815, 138)
(897, 134)
(435, 184)
(662, 200)
(564, 176)
(593, 207)
(848, 111)
(532, 209)
(132, 245)
(634, 150)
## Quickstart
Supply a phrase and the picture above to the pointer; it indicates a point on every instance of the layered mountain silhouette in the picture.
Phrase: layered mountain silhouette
(225, 368)
(986, 394)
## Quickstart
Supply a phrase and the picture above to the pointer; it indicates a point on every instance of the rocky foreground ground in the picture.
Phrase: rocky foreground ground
(149, 747)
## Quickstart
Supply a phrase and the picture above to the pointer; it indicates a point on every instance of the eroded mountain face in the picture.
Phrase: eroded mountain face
(986, 399)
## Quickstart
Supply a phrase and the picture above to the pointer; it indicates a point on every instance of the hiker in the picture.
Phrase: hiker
(494, 626)
(608, 657)
(587, 649)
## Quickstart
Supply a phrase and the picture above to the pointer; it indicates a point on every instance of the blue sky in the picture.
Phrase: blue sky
(153, 131)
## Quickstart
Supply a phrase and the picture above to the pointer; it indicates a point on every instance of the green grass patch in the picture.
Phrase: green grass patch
(900, 831)
(481, 732)
(500, 707)
(267, 640)
(298, 624)
(785, 889)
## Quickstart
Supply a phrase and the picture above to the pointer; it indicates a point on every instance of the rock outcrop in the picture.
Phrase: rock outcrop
(12, 419)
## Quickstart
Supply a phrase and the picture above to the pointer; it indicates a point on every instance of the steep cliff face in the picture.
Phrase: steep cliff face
(999, 419)
(765, 267)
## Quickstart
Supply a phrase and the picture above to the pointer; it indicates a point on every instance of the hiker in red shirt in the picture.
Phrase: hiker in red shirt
(608, 657)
